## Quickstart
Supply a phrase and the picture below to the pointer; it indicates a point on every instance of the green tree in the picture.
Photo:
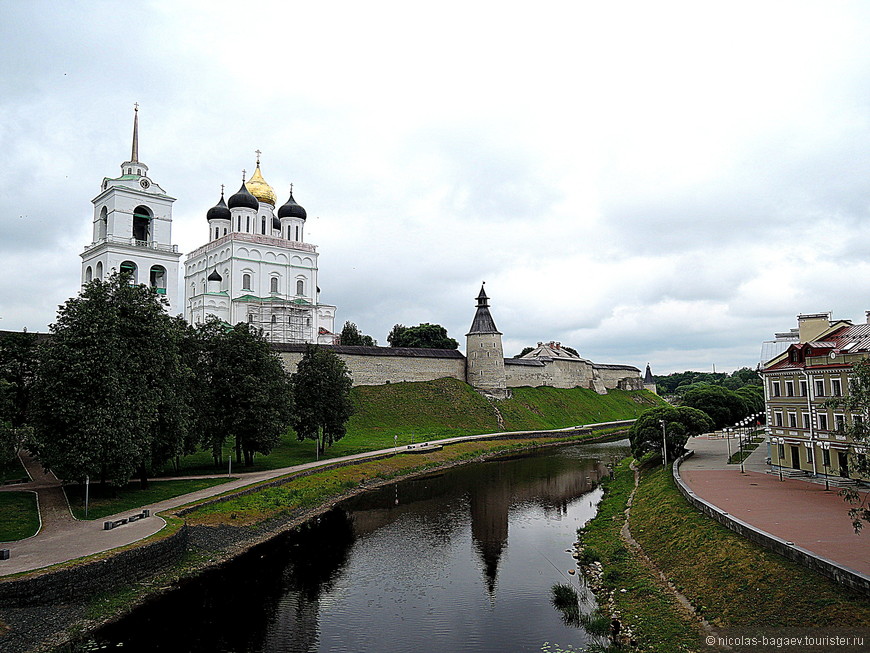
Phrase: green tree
(524, 351)
(857, 431)
(105, 397)
(680, 423)
(245, 392)
(321, 394)
(350, 335)
(427, 336)
(722, 405)
(17, 373)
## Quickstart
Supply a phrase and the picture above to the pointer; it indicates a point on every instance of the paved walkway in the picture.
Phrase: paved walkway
(795, 510)
(62, 537)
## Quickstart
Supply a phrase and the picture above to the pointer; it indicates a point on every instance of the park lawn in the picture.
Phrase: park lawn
(131, 496)
(405, 413)
(730, 580)
(20, 516)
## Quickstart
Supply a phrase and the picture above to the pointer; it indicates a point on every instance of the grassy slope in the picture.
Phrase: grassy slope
(402, 413)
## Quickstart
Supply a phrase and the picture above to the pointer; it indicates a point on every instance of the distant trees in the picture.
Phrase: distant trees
(428, 336)
(525, 350)
(321, 392)
(17, 372)
(681, 382)
(351, 335)
(680, 423)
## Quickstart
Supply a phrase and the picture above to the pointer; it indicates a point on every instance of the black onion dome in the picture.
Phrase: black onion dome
(292, 210)
(219, 211)
(243, 199)
(214, 276)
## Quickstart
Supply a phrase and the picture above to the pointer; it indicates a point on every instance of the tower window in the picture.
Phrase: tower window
(158, 279)
(300, 287)
(246, 282)
(99, 272)
(129, 268)
(297, 233)
(88, 274)
(273, 284)
(248, 224)
(142, 217)
(263, 226)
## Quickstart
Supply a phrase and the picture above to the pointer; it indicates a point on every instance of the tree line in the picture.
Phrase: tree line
(120, 389)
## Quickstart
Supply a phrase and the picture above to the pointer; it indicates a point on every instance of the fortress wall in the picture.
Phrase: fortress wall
(625, 378)
(555, 373)
(378, 370)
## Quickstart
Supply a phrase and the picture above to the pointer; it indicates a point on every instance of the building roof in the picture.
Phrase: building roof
(552, 351)
(844, 338)
(408, 352)
(482, 322)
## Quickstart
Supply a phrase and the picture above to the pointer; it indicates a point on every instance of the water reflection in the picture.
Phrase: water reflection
(462, 560)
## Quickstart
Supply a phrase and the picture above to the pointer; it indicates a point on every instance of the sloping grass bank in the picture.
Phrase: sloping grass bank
(404, 413)
(730, 581)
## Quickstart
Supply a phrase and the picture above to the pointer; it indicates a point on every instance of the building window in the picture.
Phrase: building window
(297, 233)
(836, 387)
(129, 268)
(826, 457)
(142, 224)
(239, 223)
(158, 279)
(246, 282)
(263, 226)
(823, 421)
(840, 423)
(99, 273)
(803, 388)
(789, 388)
(858, 421)
(777, 418)
(805, 418)
(273, 284)
(248, 224)
(300, 287)
(89, 275)
(775, 389)
(250, 318)
(792, 420)
(275, 319)
(820, 387)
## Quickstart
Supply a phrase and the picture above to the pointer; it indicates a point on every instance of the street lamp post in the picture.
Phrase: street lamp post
(664, 444)
(826, 449)
(743, 425)
(728, 431)
(777, 443)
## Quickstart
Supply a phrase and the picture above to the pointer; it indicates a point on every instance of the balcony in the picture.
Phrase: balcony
(132, 242)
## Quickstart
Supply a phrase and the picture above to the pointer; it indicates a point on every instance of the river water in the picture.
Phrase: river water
(462, 560)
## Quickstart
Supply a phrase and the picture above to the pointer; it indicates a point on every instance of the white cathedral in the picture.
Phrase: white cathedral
(256, 266)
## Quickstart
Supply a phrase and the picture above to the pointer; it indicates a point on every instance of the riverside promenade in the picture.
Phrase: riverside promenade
(794, 510)
(62, 537)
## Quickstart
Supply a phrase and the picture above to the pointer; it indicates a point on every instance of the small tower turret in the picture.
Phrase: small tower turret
(484, 354)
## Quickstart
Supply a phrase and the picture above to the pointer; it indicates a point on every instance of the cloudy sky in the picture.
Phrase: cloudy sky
(665, 182)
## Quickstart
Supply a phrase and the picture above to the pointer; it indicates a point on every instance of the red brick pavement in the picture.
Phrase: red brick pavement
(796, 511)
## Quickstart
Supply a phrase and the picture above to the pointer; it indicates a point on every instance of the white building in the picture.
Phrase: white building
(132, 229)
(256, 267)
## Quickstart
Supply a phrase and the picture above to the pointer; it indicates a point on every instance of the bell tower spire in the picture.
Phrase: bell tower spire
(134, 157)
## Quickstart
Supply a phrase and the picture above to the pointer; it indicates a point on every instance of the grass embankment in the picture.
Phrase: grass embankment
(730, 581)
(404, 413)
(309, 491)
(131, 496)
(20, 516)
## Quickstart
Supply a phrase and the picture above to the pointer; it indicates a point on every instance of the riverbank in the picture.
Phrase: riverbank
(727, 580)
(215, 542)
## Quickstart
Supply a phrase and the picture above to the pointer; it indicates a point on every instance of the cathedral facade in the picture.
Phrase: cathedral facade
(257, 268)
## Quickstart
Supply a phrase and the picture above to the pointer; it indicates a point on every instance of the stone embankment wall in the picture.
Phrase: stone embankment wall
(838, 573)
(88, 578)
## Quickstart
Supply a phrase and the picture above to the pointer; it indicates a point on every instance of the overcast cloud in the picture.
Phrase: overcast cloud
(666, 182)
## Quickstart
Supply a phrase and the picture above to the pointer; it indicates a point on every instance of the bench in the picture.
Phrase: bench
(109, 525)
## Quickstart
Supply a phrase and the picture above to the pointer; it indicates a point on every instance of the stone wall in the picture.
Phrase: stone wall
(556, 373)
(838, 573)
(380, 365)
(85, 579)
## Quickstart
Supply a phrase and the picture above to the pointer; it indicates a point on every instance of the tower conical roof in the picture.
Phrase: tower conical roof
(483, 322)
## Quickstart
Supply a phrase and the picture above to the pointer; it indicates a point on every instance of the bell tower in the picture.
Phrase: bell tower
(483, 352)
(132, 229)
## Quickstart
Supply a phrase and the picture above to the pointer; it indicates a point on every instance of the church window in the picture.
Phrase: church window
(250, 318)
(102, 226)
(263, 226)
(139, 171)
(274, 319)
(142, 224)
(88, 274)
(217, 232)
(99, 272)
(225, 231)
(248, 224)
(238, 223)
(288, 233)
(158, 279)
(129, 171)
(246, 282)
(129, 268)
(308, 321)
(273, 284)
(297, 233)
(300, 287)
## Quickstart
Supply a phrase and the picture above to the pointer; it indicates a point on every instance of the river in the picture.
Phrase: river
(462, 560)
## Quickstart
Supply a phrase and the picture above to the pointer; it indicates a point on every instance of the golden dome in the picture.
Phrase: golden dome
(258, 187)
